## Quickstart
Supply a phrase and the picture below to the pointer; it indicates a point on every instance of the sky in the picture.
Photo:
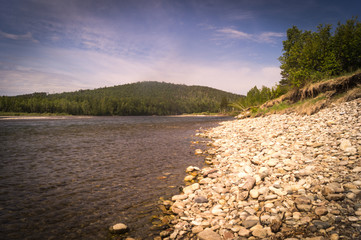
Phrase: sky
(58, 46)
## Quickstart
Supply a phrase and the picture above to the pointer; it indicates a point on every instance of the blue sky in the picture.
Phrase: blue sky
(65, 45)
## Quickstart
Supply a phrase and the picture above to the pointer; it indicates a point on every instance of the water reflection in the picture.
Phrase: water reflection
(72, 178)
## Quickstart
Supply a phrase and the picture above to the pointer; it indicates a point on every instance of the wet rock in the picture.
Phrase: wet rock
(189, 178)
(192, 169)
(119, 228)
(179, 197)
(198, 152)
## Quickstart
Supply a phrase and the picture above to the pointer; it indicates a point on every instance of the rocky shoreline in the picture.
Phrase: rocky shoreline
(275, 177)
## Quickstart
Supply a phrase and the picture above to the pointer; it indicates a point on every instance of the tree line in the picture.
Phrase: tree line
(310, 57)
(142, 98)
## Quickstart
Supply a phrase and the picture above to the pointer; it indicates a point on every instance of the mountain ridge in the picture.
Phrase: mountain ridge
(140, 98)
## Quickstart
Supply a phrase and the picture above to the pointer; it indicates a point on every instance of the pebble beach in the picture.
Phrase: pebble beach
(282, 176)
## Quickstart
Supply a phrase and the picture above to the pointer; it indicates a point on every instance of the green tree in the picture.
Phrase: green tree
(310, 56)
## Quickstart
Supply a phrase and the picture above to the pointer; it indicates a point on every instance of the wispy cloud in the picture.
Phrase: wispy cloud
(28, 36)
(270, 37)
(232, 33)
(264, 37)
(70, 70)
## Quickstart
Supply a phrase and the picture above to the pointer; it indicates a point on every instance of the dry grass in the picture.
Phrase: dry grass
(314, 97)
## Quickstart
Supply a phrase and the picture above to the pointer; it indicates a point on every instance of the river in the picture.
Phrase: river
(71, 177)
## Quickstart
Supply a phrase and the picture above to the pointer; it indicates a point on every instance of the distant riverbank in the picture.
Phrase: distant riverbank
(34, 117)
(44, 116)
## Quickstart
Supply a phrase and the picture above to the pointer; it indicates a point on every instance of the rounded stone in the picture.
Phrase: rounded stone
(201, 199)
(334, 236)
(119, 228)
(353, 219)
(244, 232)
(250, 221)
(260, 233)
(254, 193)
(320, 211)
(197, 229)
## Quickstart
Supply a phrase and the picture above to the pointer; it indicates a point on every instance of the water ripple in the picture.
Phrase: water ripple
(72, 178)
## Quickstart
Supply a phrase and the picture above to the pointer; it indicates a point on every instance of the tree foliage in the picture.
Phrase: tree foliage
(312, 56)
(142, 98)
(256, 97)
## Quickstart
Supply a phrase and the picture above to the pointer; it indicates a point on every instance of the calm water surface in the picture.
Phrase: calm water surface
(72, 178)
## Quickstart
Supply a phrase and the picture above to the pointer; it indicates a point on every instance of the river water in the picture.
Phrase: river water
(71, 178)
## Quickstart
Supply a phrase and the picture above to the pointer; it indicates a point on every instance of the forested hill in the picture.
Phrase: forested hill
(142, 98)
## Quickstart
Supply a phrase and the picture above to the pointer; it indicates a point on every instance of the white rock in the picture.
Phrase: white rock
(264, 172)
(254, 193)
(345, 143)
(217, 210)
(272, 162)
(191, 169)
(179, 197)
(209, 234)
(188, 190)
(119, 228)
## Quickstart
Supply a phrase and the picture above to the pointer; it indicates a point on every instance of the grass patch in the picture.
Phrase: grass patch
(284, 107)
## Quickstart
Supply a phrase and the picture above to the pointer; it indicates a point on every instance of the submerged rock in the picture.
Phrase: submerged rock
(119, 228)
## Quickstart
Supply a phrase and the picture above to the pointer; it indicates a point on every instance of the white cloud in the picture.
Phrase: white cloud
(270, 36)
(232, 33)
(264, 37)
(70, 70)
(27, 80)
(232, 77)
(27, 36)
